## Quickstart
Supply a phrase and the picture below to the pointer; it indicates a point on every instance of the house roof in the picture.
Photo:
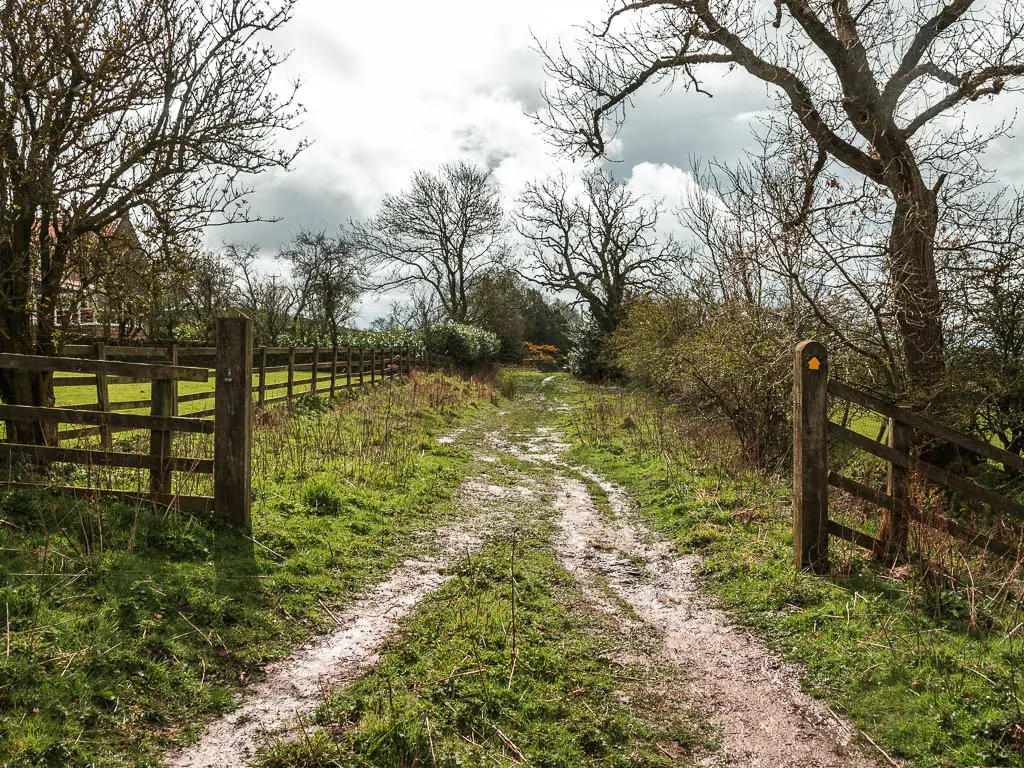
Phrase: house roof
(121, 227)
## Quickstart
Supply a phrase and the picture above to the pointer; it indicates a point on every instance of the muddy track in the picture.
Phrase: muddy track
(291, 689)
(747, 692)
(751, 696)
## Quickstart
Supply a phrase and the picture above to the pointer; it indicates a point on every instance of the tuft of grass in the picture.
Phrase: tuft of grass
(123, 627)
(322, 498)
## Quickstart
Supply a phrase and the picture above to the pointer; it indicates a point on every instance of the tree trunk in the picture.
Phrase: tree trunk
(915, 288)
(17, 336)
(918, 304)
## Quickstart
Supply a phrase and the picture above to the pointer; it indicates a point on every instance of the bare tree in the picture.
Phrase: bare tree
(114, 106)
(212, 291)
(328, 275)
(269, 299)
(599, 242)
(444, 232)
(826, 274)
(420, 309)
(871, 84)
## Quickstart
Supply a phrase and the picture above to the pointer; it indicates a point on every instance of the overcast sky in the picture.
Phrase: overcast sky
(394, 87)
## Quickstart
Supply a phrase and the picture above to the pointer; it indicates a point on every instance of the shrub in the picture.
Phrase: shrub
(321, 498)
(309, 336)
(543, 357)
(465, 344)
(730, 362)
(586, 357)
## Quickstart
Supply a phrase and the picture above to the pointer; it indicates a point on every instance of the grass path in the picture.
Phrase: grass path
(477, 677)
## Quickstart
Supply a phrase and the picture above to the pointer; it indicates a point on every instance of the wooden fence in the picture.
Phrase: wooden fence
(812, 478)
(308, 370)
(241, 376)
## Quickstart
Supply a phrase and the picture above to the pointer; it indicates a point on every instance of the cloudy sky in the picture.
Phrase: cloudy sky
(393, 87)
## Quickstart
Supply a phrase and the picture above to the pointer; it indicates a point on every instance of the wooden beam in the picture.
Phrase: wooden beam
(195, 503)
(16, 453)
(161, 440)
(853, 536)
(925, 424)
(111, 367)
(928, 471)
(104, 418)
(262, 386)
(194, 396)
(965, 533)
(102, 397)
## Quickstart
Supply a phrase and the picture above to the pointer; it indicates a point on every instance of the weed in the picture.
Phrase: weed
(321, 498)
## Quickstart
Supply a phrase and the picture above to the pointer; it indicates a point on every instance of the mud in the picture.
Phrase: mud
(291, 689)
(747, 692)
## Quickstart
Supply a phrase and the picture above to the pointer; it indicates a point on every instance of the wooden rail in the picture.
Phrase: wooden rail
(162, 422)
(811, 429)
(240, 375)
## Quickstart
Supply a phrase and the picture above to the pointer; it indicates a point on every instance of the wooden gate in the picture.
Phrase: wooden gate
(812, 527)
(231, 426)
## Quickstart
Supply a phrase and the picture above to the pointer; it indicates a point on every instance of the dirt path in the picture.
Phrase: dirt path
(293, 688)
(748, 693)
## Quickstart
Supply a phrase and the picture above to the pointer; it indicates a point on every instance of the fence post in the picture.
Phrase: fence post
(263, 375)
(892, 531)
(348, 369)
(291, 372)
(334, 370)
(162, 404)
(810, 457)
(172, 357)
(232, 449)
(362, 365)
(103, 396)
(373, 366)
(316, 370)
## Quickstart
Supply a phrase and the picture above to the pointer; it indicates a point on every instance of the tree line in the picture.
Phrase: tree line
(866, 217)
(447, 243)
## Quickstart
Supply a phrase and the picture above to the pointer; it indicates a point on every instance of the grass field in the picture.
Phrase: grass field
(123, 625)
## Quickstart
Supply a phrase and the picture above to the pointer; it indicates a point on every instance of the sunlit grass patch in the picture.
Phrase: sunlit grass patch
(121, 624)
(932, 673)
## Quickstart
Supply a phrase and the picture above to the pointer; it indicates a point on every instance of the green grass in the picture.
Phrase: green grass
(86, 393)
(466, 685)
(932, 678)
(122, 628)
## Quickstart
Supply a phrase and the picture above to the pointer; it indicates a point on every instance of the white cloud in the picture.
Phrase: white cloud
(394, 87)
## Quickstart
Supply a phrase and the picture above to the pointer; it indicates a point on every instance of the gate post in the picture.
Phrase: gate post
(892, 531)
(810, 457)
(232, 447)
(103, 397)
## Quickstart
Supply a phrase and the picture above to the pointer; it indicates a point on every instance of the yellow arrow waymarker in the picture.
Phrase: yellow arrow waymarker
(814, 364)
